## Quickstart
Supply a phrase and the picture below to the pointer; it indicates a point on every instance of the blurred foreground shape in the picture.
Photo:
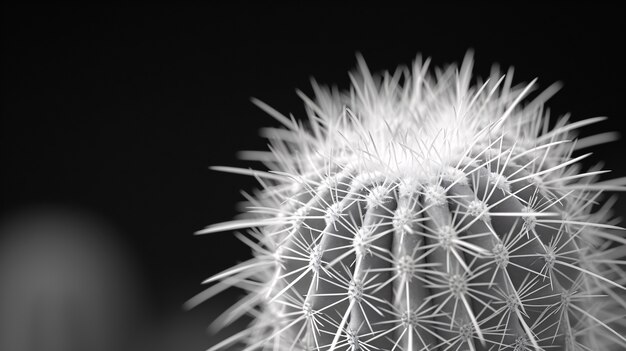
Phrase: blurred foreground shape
(65, 284)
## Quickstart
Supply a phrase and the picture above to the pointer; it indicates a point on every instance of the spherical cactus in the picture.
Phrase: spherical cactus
(420, 211)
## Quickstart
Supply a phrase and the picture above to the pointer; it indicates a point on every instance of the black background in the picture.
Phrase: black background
(119, 110)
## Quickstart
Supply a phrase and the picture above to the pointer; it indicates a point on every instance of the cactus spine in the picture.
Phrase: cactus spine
(421, 212)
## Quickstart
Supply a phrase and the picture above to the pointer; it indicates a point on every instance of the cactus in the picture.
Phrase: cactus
(420, 211)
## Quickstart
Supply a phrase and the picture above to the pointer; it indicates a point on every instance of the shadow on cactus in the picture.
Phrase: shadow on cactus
(426, 211)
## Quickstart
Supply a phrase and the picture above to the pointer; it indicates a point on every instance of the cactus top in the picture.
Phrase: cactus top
(412, 125)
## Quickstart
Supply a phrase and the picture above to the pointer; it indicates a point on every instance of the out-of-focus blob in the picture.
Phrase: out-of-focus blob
(65, 284)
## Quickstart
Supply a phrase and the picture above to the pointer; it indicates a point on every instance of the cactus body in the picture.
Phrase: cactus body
(419, 212)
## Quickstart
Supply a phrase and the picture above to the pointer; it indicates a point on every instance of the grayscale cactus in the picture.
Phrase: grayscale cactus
(422, 211)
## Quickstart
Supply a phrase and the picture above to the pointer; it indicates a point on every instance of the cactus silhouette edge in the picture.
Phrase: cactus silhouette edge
(427, 210)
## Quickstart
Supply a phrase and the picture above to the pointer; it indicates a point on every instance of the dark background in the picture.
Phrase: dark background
(116, 112)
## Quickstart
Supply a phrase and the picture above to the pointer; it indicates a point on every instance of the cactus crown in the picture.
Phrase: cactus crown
(418, 211)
